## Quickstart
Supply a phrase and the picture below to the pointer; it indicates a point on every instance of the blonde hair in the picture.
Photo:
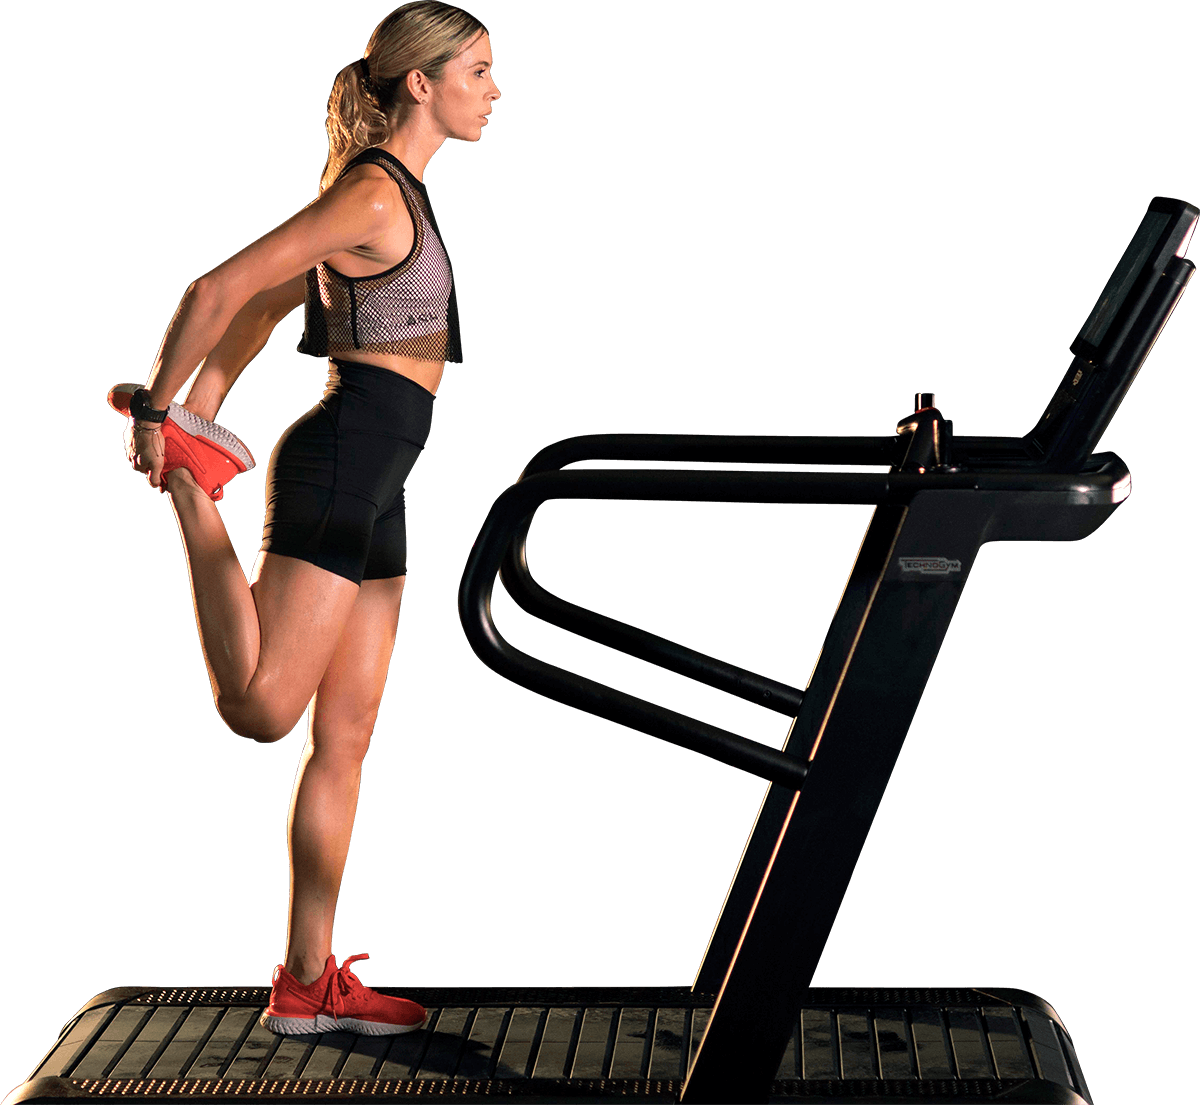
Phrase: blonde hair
(424, 35)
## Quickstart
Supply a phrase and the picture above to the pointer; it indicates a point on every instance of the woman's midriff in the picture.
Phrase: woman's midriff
(426, 373)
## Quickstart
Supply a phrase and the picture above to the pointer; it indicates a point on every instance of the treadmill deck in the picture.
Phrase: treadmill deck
(559, 1044)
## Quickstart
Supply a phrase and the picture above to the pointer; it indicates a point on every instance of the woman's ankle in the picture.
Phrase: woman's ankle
(305, 972)
(181, 482)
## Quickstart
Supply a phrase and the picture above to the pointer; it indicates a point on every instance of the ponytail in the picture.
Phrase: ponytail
(367, 94)
(356, 121)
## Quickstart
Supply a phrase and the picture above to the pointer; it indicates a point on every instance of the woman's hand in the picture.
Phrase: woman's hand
(146, 451)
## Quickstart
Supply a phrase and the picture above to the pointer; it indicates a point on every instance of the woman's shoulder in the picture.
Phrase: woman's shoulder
(375, 167)
(369, 179)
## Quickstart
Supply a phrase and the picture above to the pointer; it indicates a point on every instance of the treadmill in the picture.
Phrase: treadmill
(750, 1028)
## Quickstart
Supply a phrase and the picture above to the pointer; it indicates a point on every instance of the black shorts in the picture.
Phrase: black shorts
(335, 484)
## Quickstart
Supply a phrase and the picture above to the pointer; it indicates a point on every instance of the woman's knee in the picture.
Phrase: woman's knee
(343, 738)
(255, 719)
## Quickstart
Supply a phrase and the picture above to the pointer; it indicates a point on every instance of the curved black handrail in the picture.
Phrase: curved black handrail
(516, 507)
(543, 604)
(1101, 487)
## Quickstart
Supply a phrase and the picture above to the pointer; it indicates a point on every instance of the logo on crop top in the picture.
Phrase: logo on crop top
(929, 565)
(424, 316)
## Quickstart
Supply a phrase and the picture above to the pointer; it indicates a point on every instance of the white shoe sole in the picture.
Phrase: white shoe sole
(306, 1026)
(210, 431)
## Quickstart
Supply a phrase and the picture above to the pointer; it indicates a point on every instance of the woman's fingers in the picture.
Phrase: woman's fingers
(144, 447)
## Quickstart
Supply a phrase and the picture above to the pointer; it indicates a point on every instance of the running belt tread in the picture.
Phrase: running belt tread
(558, 1043)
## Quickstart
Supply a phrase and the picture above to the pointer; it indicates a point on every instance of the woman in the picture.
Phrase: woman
(318, 621)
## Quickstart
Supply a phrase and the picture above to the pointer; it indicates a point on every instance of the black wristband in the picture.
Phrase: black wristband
(139, 407)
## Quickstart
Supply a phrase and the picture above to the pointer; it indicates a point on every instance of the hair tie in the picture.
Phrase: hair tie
(365, 71)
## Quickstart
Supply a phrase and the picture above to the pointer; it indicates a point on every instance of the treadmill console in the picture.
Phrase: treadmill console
(1163, 236)
(1117, 336)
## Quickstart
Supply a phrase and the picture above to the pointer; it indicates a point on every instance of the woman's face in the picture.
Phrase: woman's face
(462, 99)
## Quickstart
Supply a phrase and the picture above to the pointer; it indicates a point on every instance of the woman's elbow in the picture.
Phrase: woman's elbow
(211, 297)
(205, 289)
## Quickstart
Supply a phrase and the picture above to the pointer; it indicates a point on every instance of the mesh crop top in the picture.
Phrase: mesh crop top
(409, 309)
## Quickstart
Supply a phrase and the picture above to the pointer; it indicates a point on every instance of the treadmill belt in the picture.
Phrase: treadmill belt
(556, 1044)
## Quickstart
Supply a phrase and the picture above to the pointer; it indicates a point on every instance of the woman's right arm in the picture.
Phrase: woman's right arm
(242, 341)
(350, 213)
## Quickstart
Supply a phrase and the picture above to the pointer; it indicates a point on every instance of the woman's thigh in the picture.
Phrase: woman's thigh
(303, 611)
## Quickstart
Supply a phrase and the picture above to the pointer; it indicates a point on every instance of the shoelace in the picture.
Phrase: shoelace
(342, 982)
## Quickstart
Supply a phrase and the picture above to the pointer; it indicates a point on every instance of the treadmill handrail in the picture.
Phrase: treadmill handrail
(714, 673)
(518, 503)
(543, 604)
(516, 506)
(671, 655)
(716, 448)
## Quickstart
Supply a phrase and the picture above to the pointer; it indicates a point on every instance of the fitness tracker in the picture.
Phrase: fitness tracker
(139, 407)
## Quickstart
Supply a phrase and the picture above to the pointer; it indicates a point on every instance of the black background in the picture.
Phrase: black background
(670, 226)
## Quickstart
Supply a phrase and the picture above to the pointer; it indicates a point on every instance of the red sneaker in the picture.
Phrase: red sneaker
(336, 1002)
(210, 452)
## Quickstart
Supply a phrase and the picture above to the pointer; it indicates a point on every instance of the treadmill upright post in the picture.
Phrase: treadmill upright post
(859, 706)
